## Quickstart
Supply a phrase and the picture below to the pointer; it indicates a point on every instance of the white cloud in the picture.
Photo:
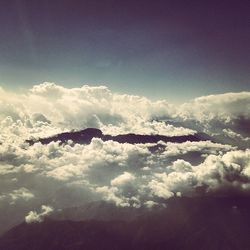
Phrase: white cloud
(113, 171)
(126, 174)
(123, 179)
(138, 125)
(175, 149)
(52, 107)
(224, 107)
(33, 216)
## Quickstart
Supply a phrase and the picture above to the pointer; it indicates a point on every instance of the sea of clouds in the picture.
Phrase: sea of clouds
(55, 176)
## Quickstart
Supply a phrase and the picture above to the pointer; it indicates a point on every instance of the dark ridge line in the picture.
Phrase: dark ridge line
(85, 136)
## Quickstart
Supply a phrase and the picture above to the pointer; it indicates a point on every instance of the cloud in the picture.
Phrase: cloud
(33, 216)
(128, 175)
(123, 173)
(176, 149)
(138, 125)
(215, 113)
(19, 194)
(52, 107)
(230, 133)
(99, 105)
(218, 173)
(224, 107)
(123, 180)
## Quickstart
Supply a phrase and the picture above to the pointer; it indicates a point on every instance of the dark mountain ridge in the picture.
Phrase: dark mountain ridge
(85, 136)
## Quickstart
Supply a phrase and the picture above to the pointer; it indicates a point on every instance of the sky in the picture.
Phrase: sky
(174, 50)
(171, 68)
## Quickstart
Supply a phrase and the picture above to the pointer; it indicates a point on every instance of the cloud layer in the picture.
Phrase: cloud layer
(126, 174)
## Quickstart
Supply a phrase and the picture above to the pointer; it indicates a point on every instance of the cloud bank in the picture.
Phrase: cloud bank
(128, 175)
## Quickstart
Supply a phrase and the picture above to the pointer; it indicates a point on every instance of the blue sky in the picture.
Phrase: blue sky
(161, 49)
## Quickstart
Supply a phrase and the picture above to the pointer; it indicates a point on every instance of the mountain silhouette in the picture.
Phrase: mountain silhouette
(85, 136)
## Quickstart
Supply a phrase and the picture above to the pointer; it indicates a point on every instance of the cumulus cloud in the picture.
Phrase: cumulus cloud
(123, 179)
(229, 171)
(216, 113)
(50, 106)
(128, 175)
(107, 170)
(33, 216)
(53, 108)
(225, 107)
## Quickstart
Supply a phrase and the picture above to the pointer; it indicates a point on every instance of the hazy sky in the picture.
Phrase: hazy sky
(162, 49)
